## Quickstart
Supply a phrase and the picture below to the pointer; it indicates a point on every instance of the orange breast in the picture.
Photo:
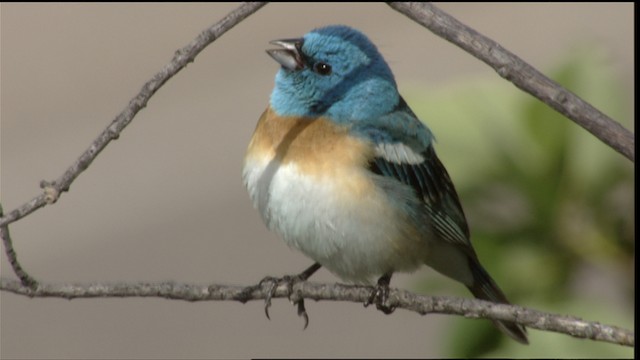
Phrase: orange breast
(316, 146)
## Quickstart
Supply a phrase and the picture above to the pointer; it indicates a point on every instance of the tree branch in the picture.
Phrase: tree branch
(470, 308)
(182, 57)
(25, 278)
(521, 74)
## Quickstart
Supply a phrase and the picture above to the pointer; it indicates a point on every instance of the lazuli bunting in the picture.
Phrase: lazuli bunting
(342, 169)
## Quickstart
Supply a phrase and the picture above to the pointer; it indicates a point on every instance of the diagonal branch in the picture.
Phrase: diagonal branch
(470, 308)
(182, 57)
(521, 74)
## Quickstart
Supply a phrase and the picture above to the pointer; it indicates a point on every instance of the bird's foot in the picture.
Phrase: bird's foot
(380, 295)
(273, 284)
(289, 281)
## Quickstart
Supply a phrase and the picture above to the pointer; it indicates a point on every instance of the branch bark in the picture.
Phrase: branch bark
(25, 278)
(521, 74)
(470, 308)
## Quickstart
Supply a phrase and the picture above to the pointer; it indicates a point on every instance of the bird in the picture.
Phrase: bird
(343, 170)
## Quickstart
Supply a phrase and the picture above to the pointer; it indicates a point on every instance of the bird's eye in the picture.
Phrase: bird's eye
(322, 68)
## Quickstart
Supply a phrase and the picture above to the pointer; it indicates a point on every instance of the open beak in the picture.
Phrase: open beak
(289, 56)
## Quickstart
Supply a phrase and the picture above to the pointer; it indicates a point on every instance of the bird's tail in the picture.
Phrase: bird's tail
(486, 289)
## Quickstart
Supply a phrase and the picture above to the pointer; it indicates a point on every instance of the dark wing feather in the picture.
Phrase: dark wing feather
(431, 183)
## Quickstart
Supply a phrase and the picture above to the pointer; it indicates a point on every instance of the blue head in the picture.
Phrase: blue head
(333, 71)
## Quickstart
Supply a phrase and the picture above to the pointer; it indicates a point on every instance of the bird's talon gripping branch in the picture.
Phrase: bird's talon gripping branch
(274, 282)
(289, 280)
(380, 295)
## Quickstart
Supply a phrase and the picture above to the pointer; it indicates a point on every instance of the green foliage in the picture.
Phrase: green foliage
(546, 202)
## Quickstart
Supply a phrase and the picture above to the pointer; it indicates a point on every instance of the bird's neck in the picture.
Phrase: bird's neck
(362, 101)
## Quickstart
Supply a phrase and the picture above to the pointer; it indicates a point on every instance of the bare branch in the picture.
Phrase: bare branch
(182, 57)
(521, 74)
(25, 278)
(470, 308)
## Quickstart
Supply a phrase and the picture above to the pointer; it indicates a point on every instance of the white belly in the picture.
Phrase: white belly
(338, 221)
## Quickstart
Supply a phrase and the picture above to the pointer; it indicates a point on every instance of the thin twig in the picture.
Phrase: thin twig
(521, 74)
(182, 57)
(25, 278)
(470, 308)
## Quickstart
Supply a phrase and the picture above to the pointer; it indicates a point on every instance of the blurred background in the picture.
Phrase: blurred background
(551, 208)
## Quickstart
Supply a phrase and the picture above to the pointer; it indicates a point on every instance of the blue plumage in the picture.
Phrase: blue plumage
(358, 75)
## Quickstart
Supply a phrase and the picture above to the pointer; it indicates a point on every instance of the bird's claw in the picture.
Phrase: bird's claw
(379, 296)
(273, 286)
(302, 312)
(289, 281)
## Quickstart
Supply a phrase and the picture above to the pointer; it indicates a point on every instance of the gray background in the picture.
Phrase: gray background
(165, 201)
